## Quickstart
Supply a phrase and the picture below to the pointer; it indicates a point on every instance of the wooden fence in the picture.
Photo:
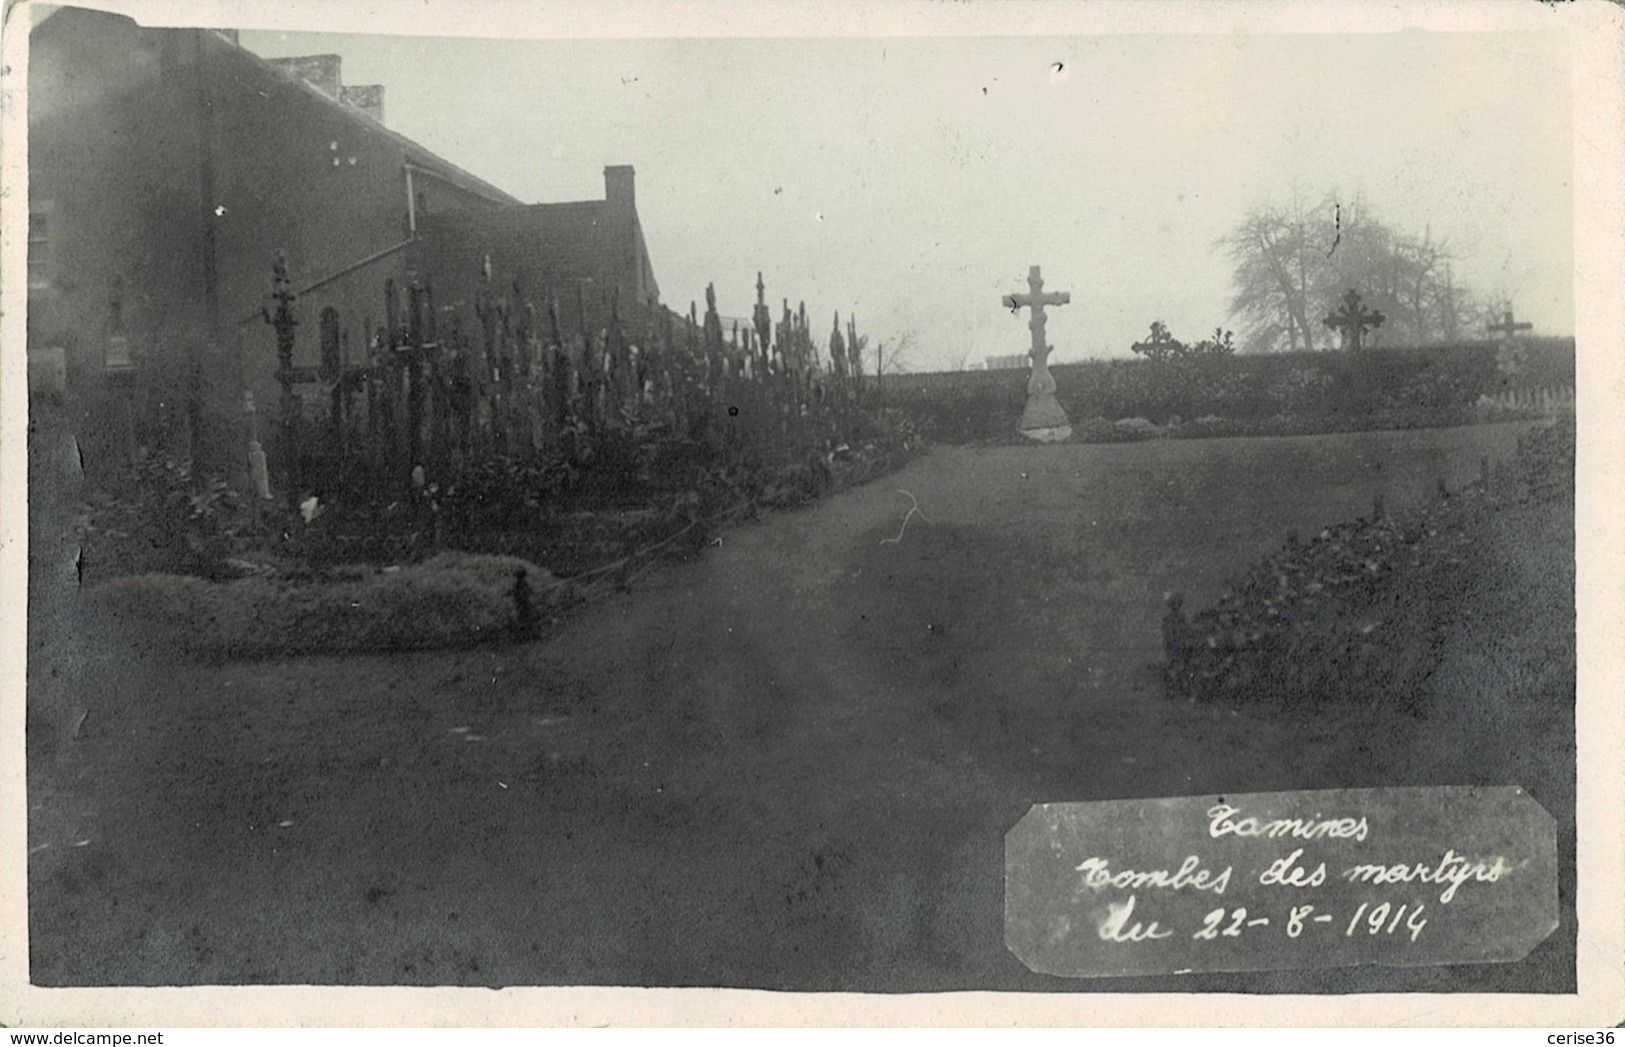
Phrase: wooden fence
(426, 391)
(1548, 401)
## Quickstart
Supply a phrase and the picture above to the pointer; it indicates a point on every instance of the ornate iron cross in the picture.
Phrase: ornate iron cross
(1353, 320)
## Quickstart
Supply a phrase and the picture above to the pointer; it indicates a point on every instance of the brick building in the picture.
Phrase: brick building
(587, 255)
(167, 167)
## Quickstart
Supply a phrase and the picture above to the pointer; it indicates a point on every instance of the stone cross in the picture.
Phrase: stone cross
(1353, 320)
(1043, 418)
(1036, 299)
(1508, 326)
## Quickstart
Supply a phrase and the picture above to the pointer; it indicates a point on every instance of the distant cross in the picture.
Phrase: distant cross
(762, 319)
(1036, 299)
(1354, 320)
(1508, 326)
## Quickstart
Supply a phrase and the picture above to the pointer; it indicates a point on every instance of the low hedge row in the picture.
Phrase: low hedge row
(453, 598)
(980, 405)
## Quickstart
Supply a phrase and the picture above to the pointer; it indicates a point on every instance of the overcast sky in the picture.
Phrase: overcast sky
(914, 180)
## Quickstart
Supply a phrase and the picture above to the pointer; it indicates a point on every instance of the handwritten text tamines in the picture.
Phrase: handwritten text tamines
(1223, 822)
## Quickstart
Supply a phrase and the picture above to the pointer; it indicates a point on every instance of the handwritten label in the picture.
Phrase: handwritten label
(1271, 881)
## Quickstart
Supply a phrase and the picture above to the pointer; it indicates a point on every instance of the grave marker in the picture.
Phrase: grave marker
(1509, 327)
(280, 317)
(1043, 418)
(1353, 320)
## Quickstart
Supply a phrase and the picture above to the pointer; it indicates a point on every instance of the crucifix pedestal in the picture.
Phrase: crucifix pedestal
(1043, 419)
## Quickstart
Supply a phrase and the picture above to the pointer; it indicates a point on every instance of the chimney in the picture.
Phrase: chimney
(319, 71)
(618, 188)
(369, 99)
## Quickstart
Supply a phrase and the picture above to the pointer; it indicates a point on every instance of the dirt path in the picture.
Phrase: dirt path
(788, 764)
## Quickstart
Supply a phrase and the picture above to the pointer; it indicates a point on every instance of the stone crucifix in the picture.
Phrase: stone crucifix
(1043, 418)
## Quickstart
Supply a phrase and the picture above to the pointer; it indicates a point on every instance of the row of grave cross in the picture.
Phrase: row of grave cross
(793, 344)
(1353, 320)
(409, 344)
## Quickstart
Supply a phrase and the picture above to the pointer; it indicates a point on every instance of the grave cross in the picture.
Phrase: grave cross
(1508, 326)
(837, 350)
(760, 316)
(281, 318)
(1353, 320)
(1036, 299)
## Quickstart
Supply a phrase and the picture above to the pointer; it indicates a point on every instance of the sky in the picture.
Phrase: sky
(914, 180)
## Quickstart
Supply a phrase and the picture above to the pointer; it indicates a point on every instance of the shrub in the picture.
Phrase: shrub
(451, 598)
(1097, 430)
(1163, 346)
(162, 516)
(1545, 460)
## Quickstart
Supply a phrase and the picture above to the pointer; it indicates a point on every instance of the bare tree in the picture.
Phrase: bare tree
(1421, 261)
(1364, 259)
(1294, 264)
(892, 357)
(895, 355)
(1276, 262)
(1459, 311)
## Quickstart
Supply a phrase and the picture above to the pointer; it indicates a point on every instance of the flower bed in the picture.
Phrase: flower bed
(1361, 611)
(379, 576)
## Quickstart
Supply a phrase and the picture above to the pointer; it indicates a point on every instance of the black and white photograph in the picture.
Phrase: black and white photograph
(1051, 500)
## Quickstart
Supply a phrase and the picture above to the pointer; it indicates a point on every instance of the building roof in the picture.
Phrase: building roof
(252, 72)
(412, 152)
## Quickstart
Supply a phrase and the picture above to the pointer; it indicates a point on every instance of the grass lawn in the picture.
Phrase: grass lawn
(788, 763)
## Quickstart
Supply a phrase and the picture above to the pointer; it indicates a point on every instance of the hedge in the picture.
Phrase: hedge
(1356, 388)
